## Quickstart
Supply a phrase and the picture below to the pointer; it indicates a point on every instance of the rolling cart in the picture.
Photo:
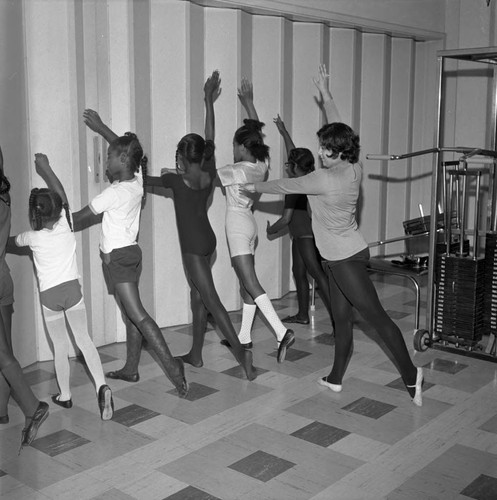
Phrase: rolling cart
(461, 312)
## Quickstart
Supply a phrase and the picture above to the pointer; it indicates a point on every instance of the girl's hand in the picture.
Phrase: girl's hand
(41, 162)
(321, 81)
(212, 87)
(164, 171)
(92, 120)
(269, 228)
(249, 188)
(246, 91)
(279, 124)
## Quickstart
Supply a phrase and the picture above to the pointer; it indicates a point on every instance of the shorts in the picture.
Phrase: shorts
(361, 257)
(6, 286)
(62, 297)
(241, 231)
(122, 265)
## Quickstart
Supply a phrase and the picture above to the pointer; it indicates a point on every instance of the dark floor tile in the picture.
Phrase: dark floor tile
(238, 372)
(445, 365)
(490, 425)
(36, 376)
(398, 383)
(133, 414)
(369, 408)
(197, 391)
(104, 358)
(191, 493)
(2, 473)
(262, 466)
(59, 442)
(324, 339)
(482, 488)
(292, 354)
(321, 434)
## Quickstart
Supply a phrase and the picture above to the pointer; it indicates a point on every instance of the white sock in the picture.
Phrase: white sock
(76, 317)
(264, 304)
(248, 314)
(56, 327)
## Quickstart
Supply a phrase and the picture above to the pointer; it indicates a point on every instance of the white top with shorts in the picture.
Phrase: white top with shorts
(241, 227)
(121, 205)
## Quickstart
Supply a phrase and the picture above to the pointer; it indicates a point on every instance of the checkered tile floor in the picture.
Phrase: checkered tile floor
(282, 436)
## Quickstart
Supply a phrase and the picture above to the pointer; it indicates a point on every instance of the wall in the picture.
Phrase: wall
(142, 65)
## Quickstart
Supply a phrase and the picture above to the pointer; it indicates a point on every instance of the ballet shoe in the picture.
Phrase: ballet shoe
(120, 375)
(183, 388)
(418, 395)
(287, 341)
(67, 403)
(226, 343)
(187, 358)
(295, 319)
(4, 419)
(105, 402)
(29, 432)
(333, 387)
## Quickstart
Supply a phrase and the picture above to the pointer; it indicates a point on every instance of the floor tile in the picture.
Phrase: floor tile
(324, 339)
(132, 415)
(482, 488)
(321, 434)
(398, 383)
(38, 375)
(197, 391)
(369, 408)
(490, 425)
(191, 493)
(445, 365)
(239, 372)
(59, 442)
(292, 354)
(262, 466)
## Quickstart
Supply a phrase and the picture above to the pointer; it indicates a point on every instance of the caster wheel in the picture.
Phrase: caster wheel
(421, 340)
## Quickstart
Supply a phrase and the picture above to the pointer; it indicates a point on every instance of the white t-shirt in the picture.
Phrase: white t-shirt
(54, 253)
(120, 204)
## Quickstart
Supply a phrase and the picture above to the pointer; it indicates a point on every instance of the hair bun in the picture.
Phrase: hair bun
(253, 125)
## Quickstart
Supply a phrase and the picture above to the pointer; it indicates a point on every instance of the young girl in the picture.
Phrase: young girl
(120, 205)
(250, 156)
(11, 377)
(192, 184)
(305, 255)
(333, 192)
(54, 252)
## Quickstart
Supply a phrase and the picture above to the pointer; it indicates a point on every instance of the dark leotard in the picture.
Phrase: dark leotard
(300, 225)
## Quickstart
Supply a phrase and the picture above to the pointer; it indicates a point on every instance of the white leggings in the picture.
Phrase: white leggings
(55, 322)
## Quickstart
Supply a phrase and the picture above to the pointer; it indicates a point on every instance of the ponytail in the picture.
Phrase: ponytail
(250, 136)
(45, 207)
(144, 167)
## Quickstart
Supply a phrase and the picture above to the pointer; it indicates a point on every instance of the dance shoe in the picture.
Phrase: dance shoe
(64, 403)
(418, 396)
(333, 387)
(29, 432)
(105, 402)
(295, 319)
(287, 341)
(226, 343)
(120, 375)
(183, 389)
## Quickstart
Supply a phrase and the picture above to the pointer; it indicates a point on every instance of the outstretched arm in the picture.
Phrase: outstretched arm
(45, 171)
(85, 218)
(289, 144)
(94, 122)
(322, 83)
(246, 96)
(281, 223)
(212, 90)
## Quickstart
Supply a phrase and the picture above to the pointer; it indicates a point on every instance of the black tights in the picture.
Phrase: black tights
(351, 286)
(306, 259)
(204, 300)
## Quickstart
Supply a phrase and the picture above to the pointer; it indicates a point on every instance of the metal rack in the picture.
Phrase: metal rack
(464, 268)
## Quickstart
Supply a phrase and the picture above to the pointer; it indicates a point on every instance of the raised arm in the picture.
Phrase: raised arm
(94, 122)
(280, 125)
(212, 90)
(45, 171)
(322, 83)
(246, 96)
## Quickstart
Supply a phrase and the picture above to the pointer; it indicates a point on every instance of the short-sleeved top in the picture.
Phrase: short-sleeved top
(120, 204)
(242, 172)
(300, 224)
(332, 194)
(194, 229)
(54, 253)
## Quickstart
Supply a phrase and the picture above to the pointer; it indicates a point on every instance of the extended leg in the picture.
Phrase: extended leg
(6, 319)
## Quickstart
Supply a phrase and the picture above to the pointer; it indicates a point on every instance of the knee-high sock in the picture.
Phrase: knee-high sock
(24, 395)
(77, 319)
(55, 322)
(264, 304)
(248, 314)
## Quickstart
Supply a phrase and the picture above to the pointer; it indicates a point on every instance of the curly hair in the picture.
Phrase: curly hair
(45, 207)
(129, 144)
(341, 140)
(302, 158)
(250, 136)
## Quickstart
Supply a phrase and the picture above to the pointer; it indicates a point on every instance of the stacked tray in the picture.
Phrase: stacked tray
(459, 299)
(491, 282)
